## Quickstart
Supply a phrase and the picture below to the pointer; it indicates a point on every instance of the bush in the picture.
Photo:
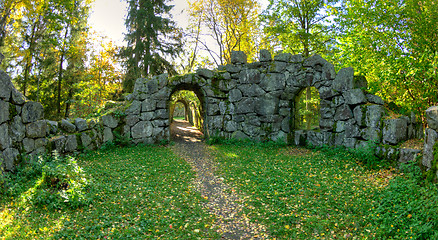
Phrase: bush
(53, 181)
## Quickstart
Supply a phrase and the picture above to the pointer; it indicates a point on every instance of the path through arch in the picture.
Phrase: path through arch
(226, 205)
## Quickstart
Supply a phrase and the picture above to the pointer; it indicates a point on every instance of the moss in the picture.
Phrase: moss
(81, 147)
(12, 111)
(176, 78)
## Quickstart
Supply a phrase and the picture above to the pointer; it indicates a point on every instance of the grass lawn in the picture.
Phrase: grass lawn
(302, 194)
(146, 192)
(137, 193)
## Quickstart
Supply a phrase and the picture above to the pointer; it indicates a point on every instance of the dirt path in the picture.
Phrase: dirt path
(223, 201)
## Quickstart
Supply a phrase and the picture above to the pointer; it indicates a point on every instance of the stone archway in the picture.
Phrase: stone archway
(193, 101)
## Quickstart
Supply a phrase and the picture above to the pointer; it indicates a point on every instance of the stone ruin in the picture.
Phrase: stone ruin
(240, 100)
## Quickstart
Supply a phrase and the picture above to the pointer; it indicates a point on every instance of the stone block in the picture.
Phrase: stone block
(17, 97)
(249, 76)
(81, 124)
(67, 126)
(266, 105)
(246, 105)
(131, 120)
(10, 157)
(429, 142)
(5, 139)
(238, 57)
(343, 112)
(314, 61)
(4, 111)
(71, 144)
(31, 112)
(251, 90)
(6, 86)
(110, 121)
(134, 108)
(17, 129)
(265, 55)
(108, 135)
(205, 73)
(375, 99)
(142, 129)
(273, 82)
(344, 80)
(408, 155)
(374, 115)
(28, 145)
(432, 117)
(36, 129)
(354, 96)
(394, 131)
(371, 134)
(283, 57)
(145, 116)
(59, 143)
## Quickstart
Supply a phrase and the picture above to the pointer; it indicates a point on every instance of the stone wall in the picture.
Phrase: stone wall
(25, 132)
(430, 151)
(240, 100)
(256, 101)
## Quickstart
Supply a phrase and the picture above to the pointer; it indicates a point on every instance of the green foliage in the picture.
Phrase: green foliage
(151, 36)
(407, 208)
(52, 182)
(299, 26)
(307, 106)
(143, 192)
(396, 51)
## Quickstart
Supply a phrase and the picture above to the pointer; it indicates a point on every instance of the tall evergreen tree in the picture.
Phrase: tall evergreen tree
(152, 36)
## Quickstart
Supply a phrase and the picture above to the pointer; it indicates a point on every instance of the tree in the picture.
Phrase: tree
(231, 24)
(395, 45)
(300, 26)
(47, 50)
(151, 37)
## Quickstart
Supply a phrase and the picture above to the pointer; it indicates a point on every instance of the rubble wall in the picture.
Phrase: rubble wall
(239, 100)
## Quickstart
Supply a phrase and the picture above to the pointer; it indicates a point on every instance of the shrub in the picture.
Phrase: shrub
(53, 181)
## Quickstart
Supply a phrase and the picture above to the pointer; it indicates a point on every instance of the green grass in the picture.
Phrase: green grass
(301, 194)
(146, 192)
(137, 193)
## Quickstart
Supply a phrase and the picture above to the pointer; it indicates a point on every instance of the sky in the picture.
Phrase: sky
(108, 17)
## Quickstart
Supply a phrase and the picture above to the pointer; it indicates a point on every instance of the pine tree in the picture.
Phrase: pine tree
(152, 36)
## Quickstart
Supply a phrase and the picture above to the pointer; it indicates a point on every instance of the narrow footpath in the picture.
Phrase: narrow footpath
(223, 201)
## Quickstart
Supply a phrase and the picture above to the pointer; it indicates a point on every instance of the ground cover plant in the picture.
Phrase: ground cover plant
(147, 192)
(328, 194)
(136, 193)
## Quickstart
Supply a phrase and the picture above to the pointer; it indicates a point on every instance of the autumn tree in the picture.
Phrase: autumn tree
(47, 50)
(152, 38)
(231, 24)
(395, 45)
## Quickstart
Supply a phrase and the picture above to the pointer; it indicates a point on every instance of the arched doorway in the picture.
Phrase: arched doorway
(189, 100)
(307, 109)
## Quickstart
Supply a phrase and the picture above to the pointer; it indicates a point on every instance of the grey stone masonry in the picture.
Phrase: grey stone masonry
(256, 101)
(239, 100)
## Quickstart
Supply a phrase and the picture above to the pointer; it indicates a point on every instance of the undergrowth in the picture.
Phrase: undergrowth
(53, 182)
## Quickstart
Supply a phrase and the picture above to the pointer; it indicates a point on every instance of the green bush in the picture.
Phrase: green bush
(53, 182)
